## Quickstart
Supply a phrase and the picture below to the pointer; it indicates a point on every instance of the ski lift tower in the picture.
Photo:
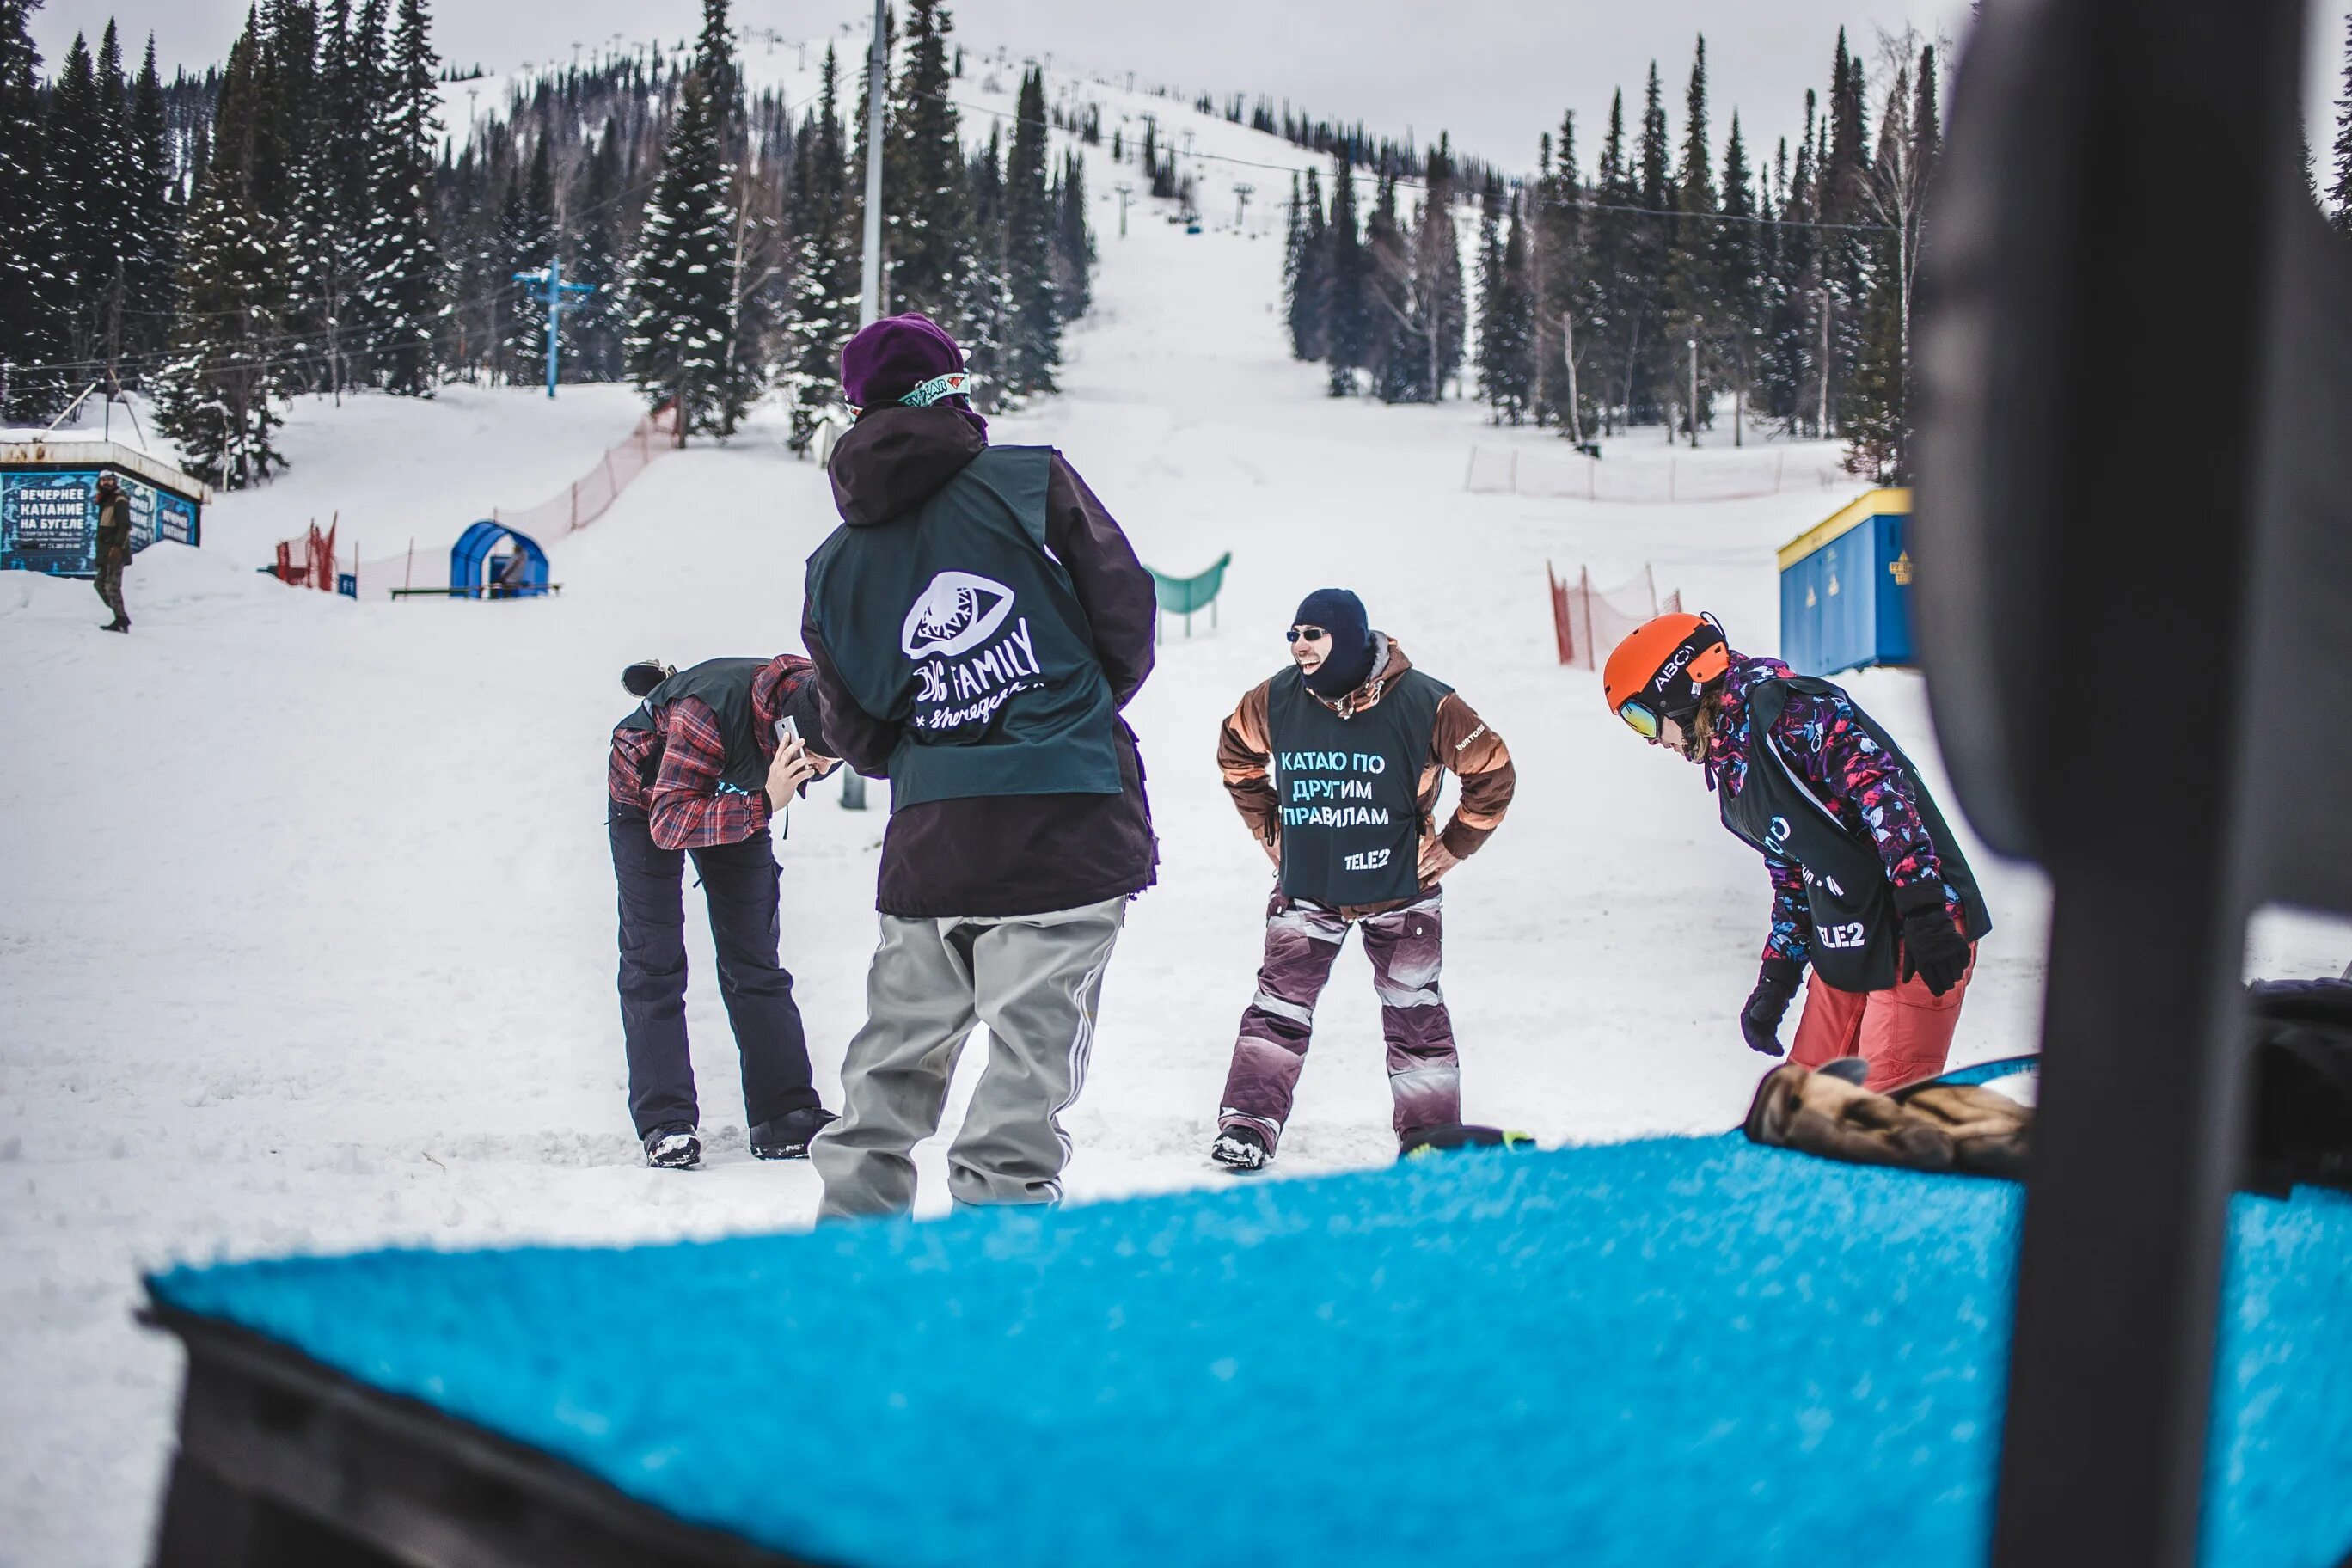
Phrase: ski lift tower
(552, 292)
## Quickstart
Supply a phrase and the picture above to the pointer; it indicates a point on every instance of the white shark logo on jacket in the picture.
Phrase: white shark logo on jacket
(957, 612)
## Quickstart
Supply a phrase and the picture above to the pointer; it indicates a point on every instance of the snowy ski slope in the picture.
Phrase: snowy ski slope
(308, 935)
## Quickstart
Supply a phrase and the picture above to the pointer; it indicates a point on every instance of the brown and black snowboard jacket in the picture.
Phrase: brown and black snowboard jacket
(1460, 742)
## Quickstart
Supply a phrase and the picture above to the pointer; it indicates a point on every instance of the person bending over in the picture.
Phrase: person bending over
(700, 768)
(1869, 885)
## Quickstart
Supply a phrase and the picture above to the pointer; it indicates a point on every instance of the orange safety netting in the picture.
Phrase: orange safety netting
(588, 498)
(1586, 624)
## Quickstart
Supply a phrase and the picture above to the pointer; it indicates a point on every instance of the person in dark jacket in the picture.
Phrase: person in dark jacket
(977, 623)
(701, 768)
(1357, 741)
(1869, 885)
(113, 549)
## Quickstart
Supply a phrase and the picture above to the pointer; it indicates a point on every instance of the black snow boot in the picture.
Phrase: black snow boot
(673, 1148)
(786, 1137)
(1240, 1147)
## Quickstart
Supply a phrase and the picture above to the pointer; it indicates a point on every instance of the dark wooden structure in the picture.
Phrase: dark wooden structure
(284, 1463)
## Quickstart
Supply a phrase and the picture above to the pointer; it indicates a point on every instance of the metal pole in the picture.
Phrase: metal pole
(555, 287)
(1694, 391)
(869, 306)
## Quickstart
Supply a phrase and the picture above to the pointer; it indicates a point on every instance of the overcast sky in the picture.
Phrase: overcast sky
(1493, 73)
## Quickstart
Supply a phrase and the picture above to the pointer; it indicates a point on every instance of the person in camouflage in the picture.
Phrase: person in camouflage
(1335, 765)
(113, 549)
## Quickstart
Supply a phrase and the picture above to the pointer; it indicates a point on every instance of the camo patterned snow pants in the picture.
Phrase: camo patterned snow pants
(1302, 941)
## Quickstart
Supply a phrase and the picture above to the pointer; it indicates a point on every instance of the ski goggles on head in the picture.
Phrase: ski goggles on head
(955, 383)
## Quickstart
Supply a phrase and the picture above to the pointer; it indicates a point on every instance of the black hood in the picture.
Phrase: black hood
(895, 459)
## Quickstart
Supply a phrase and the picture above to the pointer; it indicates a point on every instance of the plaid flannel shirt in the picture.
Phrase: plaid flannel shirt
(687, 808)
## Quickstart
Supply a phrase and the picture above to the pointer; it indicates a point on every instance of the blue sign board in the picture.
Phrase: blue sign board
(1845, 588)
(48, 518)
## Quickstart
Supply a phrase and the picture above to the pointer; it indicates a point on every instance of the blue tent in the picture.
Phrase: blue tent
(475, 573)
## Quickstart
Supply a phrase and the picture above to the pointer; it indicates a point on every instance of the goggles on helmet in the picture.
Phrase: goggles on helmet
(955, 383)
(1642, 718)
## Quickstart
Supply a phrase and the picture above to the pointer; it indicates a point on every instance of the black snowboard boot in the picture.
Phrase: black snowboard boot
(786, 1137)
(673, 1148)
(1240, 1147)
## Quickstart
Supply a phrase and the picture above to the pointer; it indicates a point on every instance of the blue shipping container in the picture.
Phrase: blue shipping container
(1845, 588)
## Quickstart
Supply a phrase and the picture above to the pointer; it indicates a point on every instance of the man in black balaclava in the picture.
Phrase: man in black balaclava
(1335, 764)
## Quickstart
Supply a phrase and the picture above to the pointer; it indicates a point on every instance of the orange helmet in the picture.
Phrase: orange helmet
(1661, 669)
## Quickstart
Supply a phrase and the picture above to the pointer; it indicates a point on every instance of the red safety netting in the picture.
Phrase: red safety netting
(1586, 624)
(588, 498)
(311, 562)
(308, 561)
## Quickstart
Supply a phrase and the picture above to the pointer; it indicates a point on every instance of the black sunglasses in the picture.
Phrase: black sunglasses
(1312, 634)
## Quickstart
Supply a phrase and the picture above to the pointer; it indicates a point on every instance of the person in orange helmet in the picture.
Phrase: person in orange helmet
(1869, 885)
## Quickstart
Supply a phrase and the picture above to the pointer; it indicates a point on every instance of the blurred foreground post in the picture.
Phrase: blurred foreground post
(2129, 637)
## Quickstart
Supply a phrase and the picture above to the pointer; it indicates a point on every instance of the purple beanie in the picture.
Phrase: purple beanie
(895, 355)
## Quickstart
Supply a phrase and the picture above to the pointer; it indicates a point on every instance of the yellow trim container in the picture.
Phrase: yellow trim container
(1845, 588)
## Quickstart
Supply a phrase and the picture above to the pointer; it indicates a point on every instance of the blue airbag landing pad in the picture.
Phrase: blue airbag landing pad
(1678, 1351)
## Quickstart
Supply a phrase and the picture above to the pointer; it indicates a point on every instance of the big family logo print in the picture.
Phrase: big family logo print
(971, 654)
(959, 611)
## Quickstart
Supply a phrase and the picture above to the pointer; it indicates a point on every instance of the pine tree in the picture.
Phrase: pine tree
(152, 247)
(320, 238)
(1427, 348)
(400, 261)
(1074, 239)
(984, 305)
(28, 282)
(1693, 313)
(681, 309)
(825, 298)
(1649, 369)
(1033, 336)
(213, 394)
(1389, 293)
(1347, 307)
(1617, 261)
(80, 225)
(2339, 190)
(1736, 268)
(1309, 281)
(526, 240)
(1567, 303)
(1843, 247)
(925, 199)
(595, 323)
(1510, 384)
(1874, 407)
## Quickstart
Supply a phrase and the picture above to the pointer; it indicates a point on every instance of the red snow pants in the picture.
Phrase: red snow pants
(1904, 1032)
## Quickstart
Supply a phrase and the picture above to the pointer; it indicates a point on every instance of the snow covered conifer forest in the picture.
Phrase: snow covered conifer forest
(301, 219)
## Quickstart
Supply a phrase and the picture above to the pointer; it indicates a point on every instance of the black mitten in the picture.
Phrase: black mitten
(1932, 947)
(1776, 986)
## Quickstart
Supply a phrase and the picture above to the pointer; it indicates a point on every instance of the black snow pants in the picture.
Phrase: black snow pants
(739, 882)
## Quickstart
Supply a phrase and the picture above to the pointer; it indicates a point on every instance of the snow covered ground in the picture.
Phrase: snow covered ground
(308, 935)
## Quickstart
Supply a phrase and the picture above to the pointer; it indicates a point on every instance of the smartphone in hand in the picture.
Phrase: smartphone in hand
(788, 731)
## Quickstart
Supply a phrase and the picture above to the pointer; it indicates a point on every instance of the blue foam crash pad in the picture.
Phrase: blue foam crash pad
(1676, 1351)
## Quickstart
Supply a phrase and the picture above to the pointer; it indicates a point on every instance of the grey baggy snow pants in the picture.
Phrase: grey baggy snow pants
(1036, 981)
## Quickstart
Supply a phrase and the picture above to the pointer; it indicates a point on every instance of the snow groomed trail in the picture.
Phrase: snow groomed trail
(308, 944)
